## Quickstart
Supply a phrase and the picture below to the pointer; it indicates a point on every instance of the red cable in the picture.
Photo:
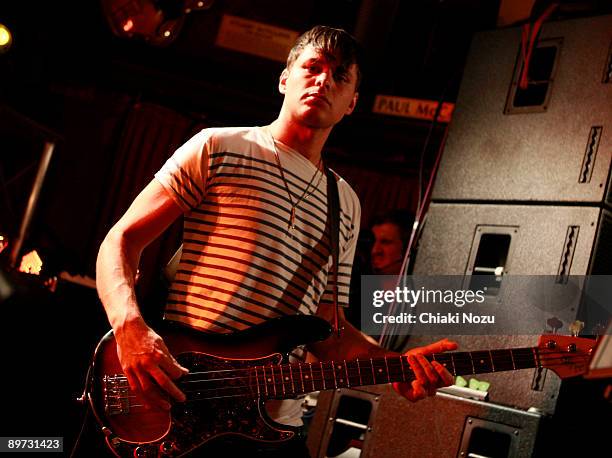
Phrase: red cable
(528, 42)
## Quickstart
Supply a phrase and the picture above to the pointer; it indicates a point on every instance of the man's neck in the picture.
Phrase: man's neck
(307, 141)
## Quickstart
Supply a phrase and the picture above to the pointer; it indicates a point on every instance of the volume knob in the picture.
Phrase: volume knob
(166, 447)
(141, 452)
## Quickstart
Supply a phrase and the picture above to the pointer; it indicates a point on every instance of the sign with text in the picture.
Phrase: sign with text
(411, 108)
(257, 38)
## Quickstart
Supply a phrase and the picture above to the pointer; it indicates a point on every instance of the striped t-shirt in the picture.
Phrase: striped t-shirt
(240, 264)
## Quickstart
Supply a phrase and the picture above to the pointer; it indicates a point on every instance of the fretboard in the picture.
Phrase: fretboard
(294, 379)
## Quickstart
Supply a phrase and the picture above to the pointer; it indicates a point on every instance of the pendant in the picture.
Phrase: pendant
(292, 220)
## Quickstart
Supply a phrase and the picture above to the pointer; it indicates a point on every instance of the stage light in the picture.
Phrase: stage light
(6, 38)
(128, 25)
(31, 263)
(158, 22)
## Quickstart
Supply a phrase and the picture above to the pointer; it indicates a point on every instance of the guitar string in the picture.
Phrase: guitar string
(516, 358)
(410, 376)
(250, 395)
(251, 370)
(208, 398)
(528, 356)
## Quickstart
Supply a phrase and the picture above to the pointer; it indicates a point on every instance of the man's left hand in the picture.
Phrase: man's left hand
(429, 375)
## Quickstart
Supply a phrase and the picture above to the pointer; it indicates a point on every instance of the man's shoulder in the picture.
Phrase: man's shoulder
(224, 135)
(241, 141)
(348, 196)
(344, 186)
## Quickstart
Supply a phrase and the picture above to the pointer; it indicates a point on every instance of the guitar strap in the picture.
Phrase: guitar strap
(333, 210)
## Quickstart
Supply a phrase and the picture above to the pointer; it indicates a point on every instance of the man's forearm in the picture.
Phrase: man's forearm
(149, 215)
(351, 344)
(116, 270)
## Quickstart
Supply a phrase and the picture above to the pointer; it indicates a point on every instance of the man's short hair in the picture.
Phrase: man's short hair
(336, 42)
(403, 219)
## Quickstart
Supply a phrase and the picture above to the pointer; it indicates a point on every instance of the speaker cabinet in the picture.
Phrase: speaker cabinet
(542, 240)
(522, 190)
(344, 419)
(443, 426)
(551, 142)
(518, 240)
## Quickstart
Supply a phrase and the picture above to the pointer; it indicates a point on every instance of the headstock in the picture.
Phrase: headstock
(566, 356)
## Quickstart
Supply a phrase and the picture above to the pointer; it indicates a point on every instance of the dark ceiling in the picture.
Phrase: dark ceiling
(414, 48)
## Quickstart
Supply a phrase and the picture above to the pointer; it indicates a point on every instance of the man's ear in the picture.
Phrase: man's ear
(282, 81)
(351, 107)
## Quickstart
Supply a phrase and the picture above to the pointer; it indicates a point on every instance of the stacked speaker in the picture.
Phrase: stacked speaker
(524, 183)
(523, 189)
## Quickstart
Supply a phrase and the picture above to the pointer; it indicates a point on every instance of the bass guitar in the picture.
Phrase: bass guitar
(232, 375)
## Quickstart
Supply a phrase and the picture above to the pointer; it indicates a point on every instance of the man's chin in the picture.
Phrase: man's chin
(317, 117)
(315, 121)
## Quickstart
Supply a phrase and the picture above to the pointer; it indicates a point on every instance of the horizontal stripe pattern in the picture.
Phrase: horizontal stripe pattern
(240, 264)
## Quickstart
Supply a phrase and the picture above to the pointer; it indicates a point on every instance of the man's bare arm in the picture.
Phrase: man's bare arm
(144, 357)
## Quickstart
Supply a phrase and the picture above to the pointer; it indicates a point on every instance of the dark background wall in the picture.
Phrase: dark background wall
(67, 72)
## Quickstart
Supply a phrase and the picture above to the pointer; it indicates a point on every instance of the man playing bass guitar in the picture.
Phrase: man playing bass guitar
(255, 244)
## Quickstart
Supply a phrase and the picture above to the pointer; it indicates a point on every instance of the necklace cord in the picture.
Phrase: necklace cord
(333, 208)
(306, 192)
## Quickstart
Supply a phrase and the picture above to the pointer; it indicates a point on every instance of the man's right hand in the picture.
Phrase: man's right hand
(148, 364)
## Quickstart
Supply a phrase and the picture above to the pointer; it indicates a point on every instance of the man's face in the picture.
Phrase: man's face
(387, 252)
(317, 94)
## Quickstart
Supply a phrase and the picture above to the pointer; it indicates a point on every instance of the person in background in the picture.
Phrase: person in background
(391, 233)
(380, 251)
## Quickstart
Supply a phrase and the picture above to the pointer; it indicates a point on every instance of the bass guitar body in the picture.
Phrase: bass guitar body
(222, 388)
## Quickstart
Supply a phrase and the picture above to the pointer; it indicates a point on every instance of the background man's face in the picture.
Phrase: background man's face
(388, 250)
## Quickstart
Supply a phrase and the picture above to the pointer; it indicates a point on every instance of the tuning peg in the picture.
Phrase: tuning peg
(599, 329)
(576, 327)
(555, 324)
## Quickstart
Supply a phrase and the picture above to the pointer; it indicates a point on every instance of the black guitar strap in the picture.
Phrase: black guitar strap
(333, 210)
